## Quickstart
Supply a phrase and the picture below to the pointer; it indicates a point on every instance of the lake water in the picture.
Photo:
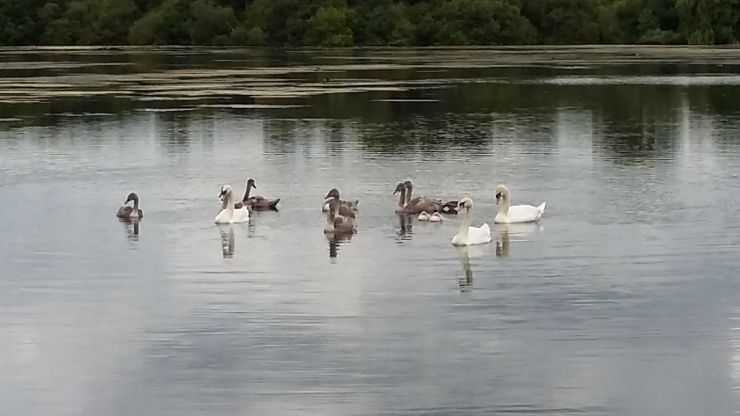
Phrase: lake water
(623, 300)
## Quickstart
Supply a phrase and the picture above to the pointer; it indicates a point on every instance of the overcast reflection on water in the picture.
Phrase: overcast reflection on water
(621, 300)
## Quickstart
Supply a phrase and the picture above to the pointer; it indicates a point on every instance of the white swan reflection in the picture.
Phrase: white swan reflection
(520, 232)
(464, 254)
(227, 240)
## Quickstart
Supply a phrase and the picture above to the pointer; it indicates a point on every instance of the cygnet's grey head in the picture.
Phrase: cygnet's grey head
(132, 197)
(333, 193)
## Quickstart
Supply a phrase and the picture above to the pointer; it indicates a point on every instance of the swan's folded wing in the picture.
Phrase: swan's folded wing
(482, 234)
(124, 211)
(523, 213)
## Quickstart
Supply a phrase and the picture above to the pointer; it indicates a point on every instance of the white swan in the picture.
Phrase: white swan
(468, 235)
(424, 216)
(508, 214)
(228, 214)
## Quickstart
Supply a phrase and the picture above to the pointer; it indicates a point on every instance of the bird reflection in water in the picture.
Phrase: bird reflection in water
(405, 222)
(466, 283)
(227, 240)
(132, 228)
(336, 239)
(518, 231)
(250, 225)
(464, 253)
(503, 242)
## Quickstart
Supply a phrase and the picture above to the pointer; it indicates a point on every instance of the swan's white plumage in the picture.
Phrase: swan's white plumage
(424, 216)
(228, 214)
(508, 214)
(435, 217)
(468, 235)
(520, 213)
(475, 235)
(236, 216)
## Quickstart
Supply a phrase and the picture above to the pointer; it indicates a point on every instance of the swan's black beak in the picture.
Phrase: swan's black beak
(221, 195)
(498, 197)
(395, 192)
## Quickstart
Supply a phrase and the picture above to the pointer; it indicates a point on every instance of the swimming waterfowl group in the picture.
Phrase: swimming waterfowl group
(341, 215)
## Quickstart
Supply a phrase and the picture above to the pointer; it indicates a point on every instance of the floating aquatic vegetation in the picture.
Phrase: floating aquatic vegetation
(166, 110)
(63, 72)
(407, 100)
(252, 106)
(84, 114)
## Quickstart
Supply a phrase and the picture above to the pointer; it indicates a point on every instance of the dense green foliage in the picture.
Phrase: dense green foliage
(367, 22)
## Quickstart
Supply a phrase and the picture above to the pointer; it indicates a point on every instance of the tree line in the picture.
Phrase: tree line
(292, 23)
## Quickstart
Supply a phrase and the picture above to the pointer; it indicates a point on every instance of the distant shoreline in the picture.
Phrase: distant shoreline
(506, 54)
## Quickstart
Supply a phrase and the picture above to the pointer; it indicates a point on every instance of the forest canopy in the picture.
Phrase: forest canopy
(281, 23)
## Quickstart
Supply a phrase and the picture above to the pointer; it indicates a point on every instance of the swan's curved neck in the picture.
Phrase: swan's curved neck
(408, 194)
(402, 198)
(503, 207)
(136, 205)
(246, 194)
(465, 225)
(228, 204)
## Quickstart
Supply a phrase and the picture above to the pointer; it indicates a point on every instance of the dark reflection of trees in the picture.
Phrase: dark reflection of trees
(54, 112)
(713, 111)
(715, 100)
(174, 130)
(635, 124)
(335, 136)
(471, 135)
(279, 135)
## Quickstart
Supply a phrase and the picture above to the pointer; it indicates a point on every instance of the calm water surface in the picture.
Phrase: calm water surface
(623, 300)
